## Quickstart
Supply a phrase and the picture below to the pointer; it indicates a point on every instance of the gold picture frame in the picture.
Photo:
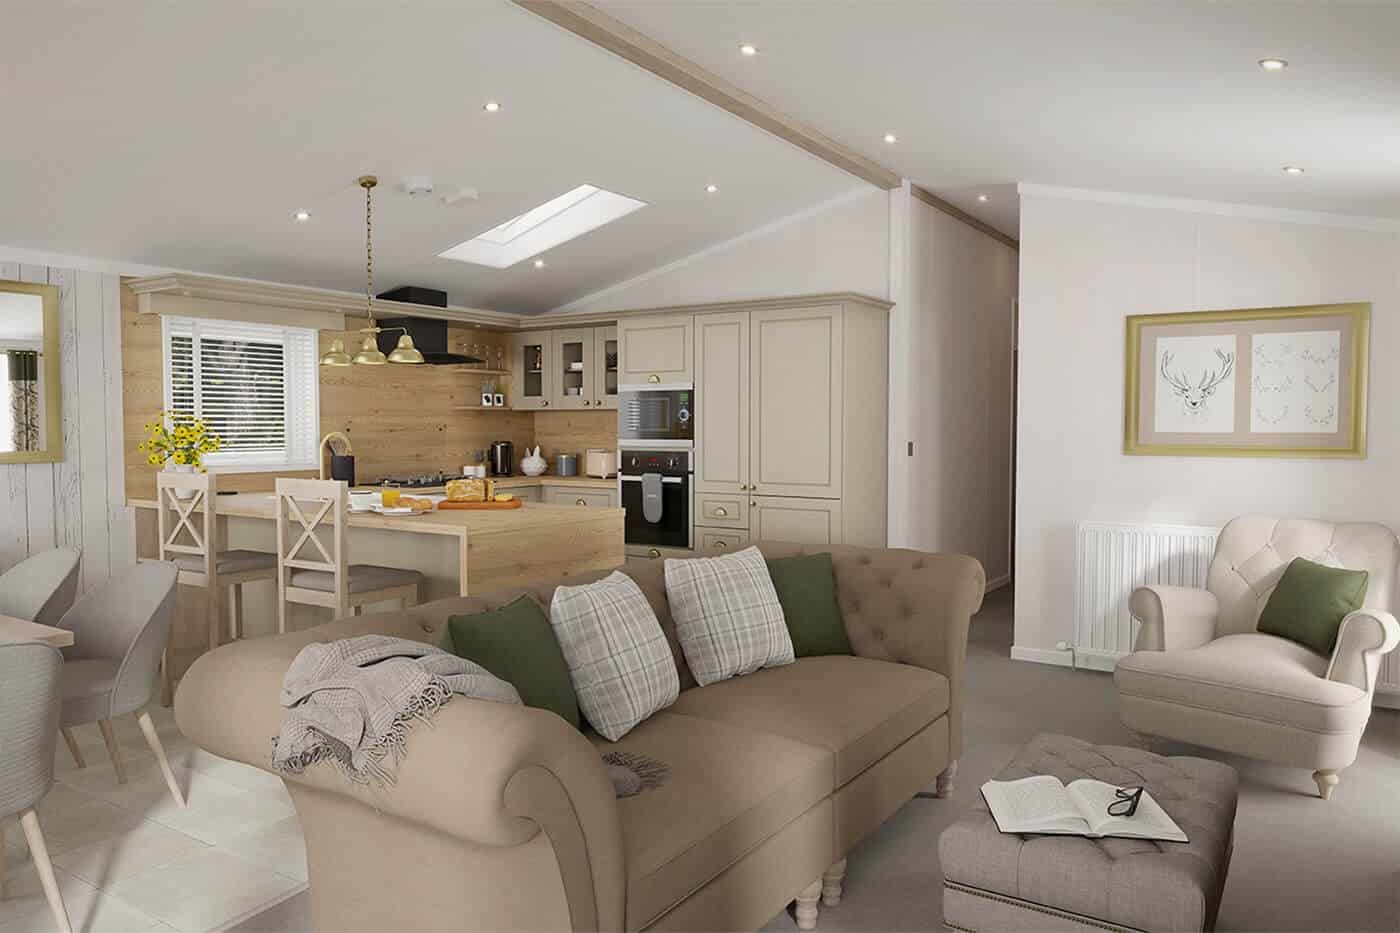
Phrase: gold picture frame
(51, 386)
(1252, 382)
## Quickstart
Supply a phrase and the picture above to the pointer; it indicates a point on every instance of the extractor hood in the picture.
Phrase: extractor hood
(429, 336)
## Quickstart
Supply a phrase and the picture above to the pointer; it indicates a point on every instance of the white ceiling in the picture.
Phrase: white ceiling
(186, 135)
(21, 317)
(1146, 97)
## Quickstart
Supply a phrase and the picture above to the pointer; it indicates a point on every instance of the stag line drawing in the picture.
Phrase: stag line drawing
(1195, 398)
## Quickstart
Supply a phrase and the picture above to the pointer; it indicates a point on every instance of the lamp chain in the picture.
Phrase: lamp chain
(369, 247)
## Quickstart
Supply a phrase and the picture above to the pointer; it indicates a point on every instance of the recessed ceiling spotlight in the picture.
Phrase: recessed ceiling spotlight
(1292, 170)
(491, 106)
(749, 49)
(983, 198)
(1273, 64)
(711, 189)
(539, 263)
(301, 217)
(891, 138)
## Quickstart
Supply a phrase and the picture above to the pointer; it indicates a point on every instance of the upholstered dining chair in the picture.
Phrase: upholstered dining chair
(119, 631)
(29, 684)
(41, 588)
(1201, 673)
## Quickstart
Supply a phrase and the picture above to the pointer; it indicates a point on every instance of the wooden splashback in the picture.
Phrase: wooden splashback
(573, 432)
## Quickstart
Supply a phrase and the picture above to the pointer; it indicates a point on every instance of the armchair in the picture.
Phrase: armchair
(1201, 673)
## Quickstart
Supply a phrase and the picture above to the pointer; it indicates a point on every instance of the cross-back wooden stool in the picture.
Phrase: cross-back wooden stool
(312, 574)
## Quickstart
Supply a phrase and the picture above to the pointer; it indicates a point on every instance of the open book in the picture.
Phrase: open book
(1042, 804)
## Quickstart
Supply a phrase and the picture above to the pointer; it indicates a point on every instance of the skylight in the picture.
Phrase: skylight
(570, 215)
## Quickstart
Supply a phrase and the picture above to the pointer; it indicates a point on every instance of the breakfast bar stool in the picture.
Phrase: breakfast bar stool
(190, 542)
(310, 573)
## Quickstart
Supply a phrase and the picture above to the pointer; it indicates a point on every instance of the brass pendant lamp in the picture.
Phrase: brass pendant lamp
(369, 353)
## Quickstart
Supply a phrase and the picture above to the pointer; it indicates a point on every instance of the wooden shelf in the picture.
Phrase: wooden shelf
(466, 368)
(479, 408)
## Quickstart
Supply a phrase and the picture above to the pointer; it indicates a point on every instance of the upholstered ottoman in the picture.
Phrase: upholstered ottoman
(996, 882)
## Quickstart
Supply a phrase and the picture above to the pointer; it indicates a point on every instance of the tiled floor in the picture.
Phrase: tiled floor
(130, 860)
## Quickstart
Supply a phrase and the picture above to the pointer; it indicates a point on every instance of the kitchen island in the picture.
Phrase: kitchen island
(458, 552)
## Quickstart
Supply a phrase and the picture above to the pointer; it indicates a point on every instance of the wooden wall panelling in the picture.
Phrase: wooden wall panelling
(573, 432)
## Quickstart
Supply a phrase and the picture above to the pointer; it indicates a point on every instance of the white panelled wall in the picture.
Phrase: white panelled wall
(79, 502)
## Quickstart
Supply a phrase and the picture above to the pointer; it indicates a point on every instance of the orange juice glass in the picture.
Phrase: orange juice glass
(389, 495)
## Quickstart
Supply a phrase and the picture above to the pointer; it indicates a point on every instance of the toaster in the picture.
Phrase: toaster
(599, 462)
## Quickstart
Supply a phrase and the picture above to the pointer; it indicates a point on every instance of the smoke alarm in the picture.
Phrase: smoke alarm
(459, 196)
(417, 185)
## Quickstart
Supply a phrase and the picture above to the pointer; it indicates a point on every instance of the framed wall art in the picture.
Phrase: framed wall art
(1258, 382)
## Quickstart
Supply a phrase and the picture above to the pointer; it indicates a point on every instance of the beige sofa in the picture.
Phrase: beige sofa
(503, 817)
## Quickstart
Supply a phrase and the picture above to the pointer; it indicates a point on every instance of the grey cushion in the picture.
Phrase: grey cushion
(362, 578)
(1126, 882)
(230, 562)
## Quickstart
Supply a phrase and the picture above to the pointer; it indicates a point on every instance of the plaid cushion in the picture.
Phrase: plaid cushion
(619, 661)
(728, 617)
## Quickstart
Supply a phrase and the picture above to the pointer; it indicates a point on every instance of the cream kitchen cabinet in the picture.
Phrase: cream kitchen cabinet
(605, 368)
(564, 369)
(575, 362)
(573, 495)
(801, 521)
(714, 541)
(792, 409)
(656, 350)
(532, 367)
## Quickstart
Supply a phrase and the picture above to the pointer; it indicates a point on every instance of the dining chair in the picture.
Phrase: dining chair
(41, 588)
(310, 573)
(29, 697)
(189, 536)
(119, 632)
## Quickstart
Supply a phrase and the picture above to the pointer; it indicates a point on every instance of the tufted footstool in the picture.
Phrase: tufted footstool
(1003, 882)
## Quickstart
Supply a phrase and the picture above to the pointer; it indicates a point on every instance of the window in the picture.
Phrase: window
(570, 215)
(255, 385)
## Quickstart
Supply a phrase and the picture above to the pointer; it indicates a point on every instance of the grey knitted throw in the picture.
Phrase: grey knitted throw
(354, 700)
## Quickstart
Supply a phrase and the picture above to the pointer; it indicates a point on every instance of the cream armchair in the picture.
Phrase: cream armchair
(1201, 673)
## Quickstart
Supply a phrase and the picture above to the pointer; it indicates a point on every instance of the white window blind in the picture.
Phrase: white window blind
(255, 385)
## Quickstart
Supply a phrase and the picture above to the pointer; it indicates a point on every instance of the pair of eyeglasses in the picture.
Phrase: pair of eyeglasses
(1125, 802)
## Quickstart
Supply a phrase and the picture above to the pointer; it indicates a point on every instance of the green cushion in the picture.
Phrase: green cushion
(806, 586)
(1310, 601)
(517, 644)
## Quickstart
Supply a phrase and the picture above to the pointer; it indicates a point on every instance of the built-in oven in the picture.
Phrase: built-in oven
(664, 413)
(656, 492)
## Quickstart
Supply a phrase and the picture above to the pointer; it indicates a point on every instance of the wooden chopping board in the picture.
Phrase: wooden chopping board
(509, 504)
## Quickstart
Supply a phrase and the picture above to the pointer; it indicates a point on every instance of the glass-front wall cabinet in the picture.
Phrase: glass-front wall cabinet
(532, 370)
(605, 354)
(574, 365)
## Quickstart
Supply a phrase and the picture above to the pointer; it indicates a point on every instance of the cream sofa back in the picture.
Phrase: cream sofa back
(1254, 550)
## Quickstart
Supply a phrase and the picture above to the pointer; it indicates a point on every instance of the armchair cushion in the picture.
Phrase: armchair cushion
(1251, 676)
(806, 585)
(1310, 602)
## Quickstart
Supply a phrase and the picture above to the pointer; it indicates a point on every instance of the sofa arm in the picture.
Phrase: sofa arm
(1173, 618)
(912, 607)
(489, 774)
(1365, 637)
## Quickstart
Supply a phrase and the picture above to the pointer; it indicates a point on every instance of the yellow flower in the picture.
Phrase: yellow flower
(153, 460)
(179, 457)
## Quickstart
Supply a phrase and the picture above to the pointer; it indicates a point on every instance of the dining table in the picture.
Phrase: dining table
(12, 629)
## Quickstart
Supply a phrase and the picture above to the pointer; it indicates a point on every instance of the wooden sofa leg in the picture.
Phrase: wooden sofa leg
(807, 905)
(1327, 781)
(831, 883)
(943, 786)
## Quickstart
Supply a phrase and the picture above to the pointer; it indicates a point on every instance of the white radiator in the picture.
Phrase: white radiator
(1110, 561)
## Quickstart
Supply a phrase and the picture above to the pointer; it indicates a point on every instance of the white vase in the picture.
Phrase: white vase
(181, 468)
(533, 464)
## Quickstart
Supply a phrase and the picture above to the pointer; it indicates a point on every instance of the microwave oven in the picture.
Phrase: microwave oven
(656, 415)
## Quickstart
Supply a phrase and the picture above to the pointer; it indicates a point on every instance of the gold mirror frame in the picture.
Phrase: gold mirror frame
(52, 451)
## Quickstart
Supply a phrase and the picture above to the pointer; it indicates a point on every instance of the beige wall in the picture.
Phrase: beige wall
(1085, 266)
(959, 358)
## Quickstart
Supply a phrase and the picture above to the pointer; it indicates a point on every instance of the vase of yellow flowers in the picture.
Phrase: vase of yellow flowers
(179, 442)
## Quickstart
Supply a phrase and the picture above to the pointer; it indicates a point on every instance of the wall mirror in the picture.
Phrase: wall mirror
(30, 418)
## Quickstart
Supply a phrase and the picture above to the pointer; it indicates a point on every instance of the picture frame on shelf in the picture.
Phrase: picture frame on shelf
(1252, 382)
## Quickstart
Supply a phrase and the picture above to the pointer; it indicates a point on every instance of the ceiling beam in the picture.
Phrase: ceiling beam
(934, 201)
(617, 37)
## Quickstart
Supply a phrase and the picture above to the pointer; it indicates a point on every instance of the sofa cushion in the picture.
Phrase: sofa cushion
(1310, 602)
(727, 615)
(806, 585)
(856, 708)
(1253, 675)
(730, 788)
(517, 644)
(619, 661)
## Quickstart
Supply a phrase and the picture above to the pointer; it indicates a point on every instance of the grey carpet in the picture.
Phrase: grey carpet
(1300, 863)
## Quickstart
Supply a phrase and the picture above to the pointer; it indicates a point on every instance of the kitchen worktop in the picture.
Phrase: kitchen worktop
(506, 483)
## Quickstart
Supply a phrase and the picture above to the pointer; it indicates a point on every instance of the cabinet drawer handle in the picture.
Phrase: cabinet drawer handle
(653, 552)
(586, 403)
(721, 511)
(721, 544)
(580, 502)
(544, 404)
(596, 402)
(653, 378)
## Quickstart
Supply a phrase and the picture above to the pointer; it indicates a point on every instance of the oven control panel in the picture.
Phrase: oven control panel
(665, 462)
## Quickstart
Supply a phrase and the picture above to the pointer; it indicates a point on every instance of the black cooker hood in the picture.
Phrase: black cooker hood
(429, 336)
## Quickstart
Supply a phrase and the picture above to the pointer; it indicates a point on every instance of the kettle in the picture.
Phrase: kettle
(502, 458)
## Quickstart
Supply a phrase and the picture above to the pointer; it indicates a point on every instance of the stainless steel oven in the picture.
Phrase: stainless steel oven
(656, 492)
(657, 414)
